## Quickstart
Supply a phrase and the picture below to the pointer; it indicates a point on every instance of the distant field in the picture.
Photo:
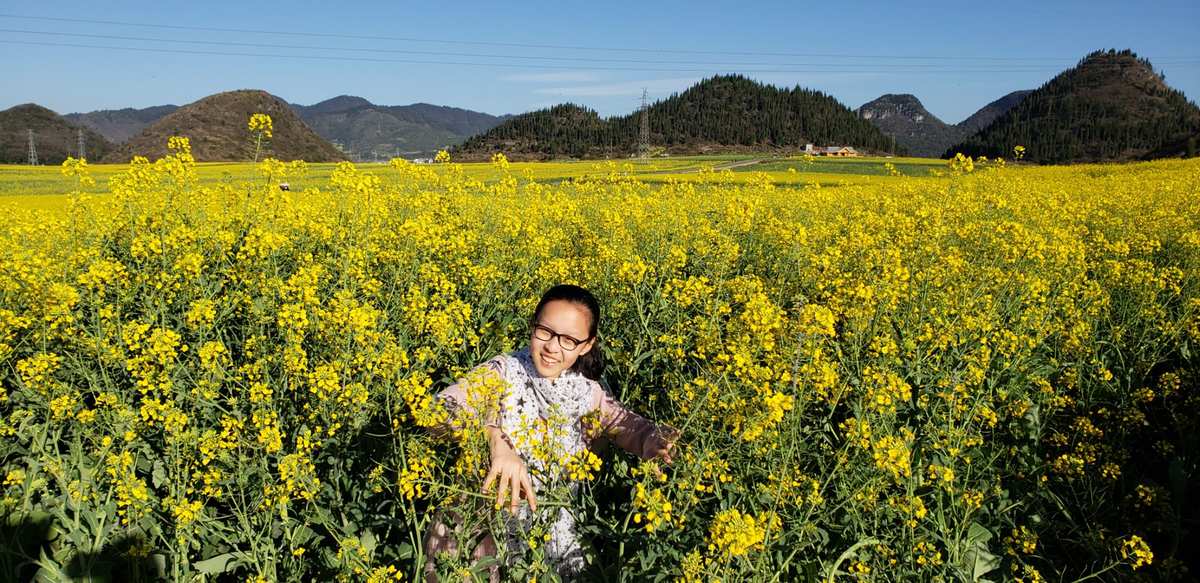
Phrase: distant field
(43, 180)
(861, 166)
(25, 182)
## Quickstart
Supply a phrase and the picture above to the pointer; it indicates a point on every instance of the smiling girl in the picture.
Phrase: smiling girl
(554, 379)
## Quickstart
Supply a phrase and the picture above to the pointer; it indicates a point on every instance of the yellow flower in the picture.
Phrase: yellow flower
(186, 511)
(14, 478)
(1021, 541)
(62, 408)
(37, 371)
(1135, 550)
(653, 509)
(411, 477)
(261, 123)
(78, 167)
(733, 534)
(201, 313)
(298, 477)
(582, 465)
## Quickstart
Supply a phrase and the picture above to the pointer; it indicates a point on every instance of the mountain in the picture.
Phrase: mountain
(367, 131)
(1112, 106)
(988, 113)
(217, 128)
(119, 125)
(903, 117)
(722, 113)
(362, 128)
(54, 137)
(333, 105)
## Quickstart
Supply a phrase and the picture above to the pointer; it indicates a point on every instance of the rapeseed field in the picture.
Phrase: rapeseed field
(987, 374)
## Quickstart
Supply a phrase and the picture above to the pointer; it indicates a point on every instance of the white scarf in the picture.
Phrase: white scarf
(532, 396)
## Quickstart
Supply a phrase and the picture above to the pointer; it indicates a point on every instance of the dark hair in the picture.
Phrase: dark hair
(590, 365)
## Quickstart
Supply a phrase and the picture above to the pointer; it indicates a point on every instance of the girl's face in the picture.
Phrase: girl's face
(564, 323)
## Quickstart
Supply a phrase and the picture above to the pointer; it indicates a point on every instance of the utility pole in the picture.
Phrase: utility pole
(79, 138)
(644, 134)
(33, 161)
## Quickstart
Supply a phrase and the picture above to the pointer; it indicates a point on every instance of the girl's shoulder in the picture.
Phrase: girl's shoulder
(598, 393)
(504, 362)
(498, 363)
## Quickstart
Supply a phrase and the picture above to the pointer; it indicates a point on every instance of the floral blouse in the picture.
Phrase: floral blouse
(531, 397)
(571, 399)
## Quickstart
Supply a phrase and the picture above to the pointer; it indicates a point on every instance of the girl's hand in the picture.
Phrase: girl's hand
(510, 470)
(660, 443)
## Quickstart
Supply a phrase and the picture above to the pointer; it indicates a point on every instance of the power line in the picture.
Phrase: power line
(532, 45)
(644, 130)
(517, 65)
(33, 157)
(451, 54)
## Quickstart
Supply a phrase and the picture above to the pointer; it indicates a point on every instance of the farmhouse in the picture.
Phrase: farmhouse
(838, 151)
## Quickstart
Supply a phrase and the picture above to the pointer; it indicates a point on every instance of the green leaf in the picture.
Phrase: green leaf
(977, 560)
(984, 562)
(159, 476)
(978, 533)
(217, 565)
(48, 570)
(404, 551)
(368, 541)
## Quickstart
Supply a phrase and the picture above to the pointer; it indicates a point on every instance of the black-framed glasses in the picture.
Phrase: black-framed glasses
(566, 342)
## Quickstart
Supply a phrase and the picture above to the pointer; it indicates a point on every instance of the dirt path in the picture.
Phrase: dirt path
(717, 168)
(737, 164)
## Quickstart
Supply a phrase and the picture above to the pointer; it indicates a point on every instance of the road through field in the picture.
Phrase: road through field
(716, 167)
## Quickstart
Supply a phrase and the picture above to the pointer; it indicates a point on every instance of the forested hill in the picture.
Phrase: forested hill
(721, 113)
(1112, 106)
(54, 137)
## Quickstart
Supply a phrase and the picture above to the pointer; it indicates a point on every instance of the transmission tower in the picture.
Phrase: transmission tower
(33, 161)
(79, 138)
(644, 134)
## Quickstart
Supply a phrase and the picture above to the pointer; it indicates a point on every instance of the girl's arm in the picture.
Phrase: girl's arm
(627, 429)
(478, 395)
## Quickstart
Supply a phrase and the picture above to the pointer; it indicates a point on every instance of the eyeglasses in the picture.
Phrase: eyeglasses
(566, 342)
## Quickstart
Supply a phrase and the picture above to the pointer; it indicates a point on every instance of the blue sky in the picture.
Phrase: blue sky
(513, 57)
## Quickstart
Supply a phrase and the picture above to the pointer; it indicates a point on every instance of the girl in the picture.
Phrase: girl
(555, 377)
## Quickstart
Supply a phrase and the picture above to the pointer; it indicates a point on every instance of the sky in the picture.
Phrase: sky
(515, 57)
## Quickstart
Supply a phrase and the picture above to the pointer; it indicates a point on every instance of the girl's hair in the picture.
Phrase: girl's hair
(590, 365)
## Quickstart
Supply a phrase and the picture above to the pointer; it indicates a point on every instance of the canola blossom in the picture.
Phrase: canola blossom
(985, 373)
(261, 126)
